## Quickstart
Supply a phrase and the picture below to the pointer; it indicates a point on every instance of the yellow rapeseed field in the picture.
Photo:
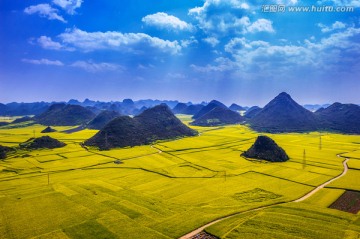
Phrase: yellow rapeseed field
(170, 188)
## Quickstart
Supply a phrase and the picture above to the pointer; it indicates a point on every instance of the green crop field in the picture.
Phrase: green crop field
(173, 187)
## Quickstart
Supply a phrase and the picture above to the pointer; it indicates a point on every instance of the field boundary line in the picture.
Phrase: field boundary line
(190, 235)
(193, 233)
(306, 196)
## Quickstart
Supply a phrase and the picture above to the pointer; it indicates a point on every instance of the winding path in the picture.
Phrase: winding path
(192, 234)
(326, 183)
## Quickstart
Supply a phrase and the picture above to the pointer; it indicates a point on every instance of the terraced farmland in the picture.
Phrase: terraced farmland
(171, 188)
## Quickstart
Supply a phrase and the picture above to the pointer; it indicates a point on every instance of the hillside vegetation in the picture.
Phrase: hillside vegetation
(157, 123)
(65, 115)
(218, 116)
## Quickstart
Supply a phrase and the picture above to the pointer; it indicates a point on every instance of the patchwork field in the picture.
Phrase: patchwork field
(290, 220)
(171, 188)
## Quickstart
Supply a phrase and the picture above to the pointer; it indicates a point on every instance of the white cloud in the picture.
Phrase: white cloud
(47, 43)
(164, 21)
(219, 15)
(68, 5)
(44, 10)
(261, 25)
(262, 53)
(285, 59)
(340, 40)
(188, 42)
(236, 44)
(213, 41)
(97, 67)
(352, 3)
(43, 62)
(244, 6)
(110, 40)
(249, 56)
(221, 64)
(224, 17)
(75, 38)
(336, 25)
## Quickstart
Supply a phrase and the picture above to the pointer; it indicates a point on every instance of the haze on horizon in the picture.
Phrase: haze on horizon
(189, 50)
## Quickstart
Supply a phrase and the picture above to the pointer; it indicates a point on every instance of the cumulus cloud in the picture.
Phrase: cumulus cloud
(97, 67)
(218, 16)
(68, 5)
(224, 17)
(336, 25)
(75, 38)
(43, 62)
(282, 59)
(47, 43)
(90, 41)
(188, 42)
(164, 21)
(221, 64)
(248, 53)
(261, 25)
(213, 41)
(237, 44)
(46, 11)
(340, 40)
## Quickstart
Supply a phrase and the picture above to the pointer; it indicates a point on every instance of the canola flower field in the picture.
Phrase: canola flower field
(170, 188)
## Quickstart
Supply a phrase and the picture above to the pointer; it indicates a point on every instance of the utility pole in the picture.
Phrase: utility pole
(304, 159)
(48, 178)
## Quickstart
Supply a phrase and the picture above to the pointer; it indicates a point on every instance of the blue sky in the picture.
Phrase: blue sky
(188, 50)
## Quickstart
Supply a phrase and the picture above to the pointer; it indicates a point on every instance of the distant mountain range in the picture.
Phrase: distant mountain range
(206, 109)
(218, 116)
(182, 108)
(125, 107)
(236, 107)
(282, 114)
(20, 109)
(251, 112)
(314, 108)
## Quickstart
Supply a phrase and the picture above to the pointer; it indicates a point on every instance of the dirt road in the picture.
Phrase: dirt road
(192, 234)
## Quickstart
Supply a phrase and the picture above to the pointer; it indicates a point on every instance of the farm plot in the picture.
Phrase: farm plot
(349, 181)
(354, 164)
(167, 189)
(288, 221)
